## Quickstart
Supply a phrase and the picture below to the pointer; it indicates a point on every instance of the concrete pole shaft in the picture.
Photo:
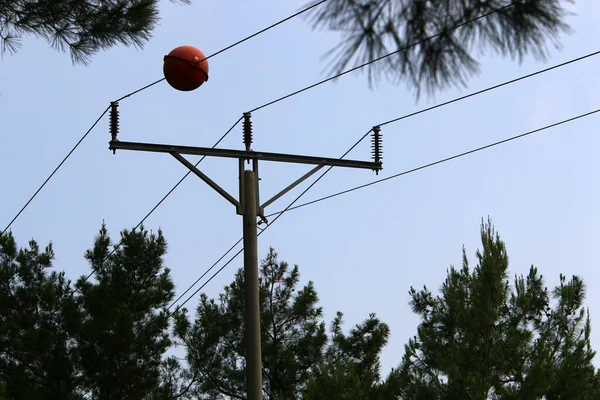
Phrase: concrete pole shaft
(252, 334)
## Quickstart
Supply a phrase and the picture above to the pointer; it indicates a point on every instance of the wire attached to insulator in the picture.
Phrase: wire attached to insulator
(114, 121)
(247, 131)
(377, 147)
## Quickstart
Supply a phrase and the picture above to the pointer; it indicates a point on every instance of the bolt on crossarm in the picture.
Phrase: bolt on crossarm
(248, 205)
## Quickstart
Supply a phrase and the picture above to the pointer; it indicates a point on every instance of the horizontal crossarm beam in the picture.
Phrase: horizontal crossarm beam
(253, 155)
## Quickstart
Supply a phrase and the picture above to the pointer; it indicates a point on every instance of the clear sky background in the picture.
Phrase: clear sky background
(363, 250)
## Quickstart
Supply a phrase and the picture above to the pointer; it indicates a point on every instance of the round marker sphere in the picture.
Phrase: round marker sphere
(185, 68)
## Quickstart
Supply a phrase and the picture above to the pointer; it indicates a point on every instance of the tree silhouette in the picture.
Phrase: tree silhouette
(82, 27)
(433, 41)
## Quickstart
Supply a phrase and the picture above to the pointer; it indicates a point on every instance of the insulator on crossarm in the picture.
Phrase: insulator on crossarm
(114, 121)
(247, 131)
(377, 147)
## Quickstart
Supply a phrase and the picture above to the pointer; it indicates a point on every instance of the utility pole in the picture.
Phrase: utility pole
(250, 208)
(253, 345)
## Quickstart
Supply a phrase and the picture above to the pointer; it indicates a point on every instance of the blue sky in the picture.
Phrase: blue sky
(363, 250)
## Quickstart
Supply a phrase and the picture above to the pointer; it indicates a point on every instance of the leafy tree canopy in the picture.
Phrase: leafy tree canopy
(483, 338)
(350, 369)
(36, 359)
(295, 345)
(107, 338)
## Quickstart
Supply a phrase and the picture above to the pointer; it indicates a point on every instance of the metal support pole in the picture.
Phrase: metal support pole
(252, 334)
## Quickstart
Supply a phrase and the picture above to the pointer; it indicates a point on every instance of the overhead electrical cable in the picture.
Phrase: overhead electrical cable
(234, 44)
(54, 171)
(443, 160)
(383, 57)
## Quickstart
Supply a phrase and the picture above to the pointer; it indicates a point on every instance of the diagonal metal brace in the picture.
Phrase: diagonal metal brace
(206, 179)
(291, 186)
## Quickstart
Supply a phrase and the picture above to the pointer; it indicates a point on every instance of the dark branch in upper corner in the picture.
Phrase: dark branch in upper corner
(371, 29)
(81, 27)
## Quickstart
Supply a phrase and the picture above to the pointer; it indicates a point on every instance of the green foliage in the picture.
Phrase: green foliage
(373, 28)
(176, 382)
(108, 338)
(36, 357)
(123, 333)
(483, 339)
(82, 26)
(299, 362)
(336, 382)
(359, 351)
(293, 335)
(351, 368)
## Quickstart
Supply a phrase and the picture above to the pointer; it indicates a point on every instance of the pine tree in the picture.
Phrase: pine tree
(108, 338)
(299, 360)
(123, 330)
(351, 368)
(175, 382)
(483, 339)
(293, 335)
(431, 54)
(83, 27)
(36, 353)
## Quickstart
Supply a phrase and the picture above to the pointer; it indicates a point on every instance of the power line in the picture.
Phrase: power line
(290, 206)
(444, 160)
(488, 89)
(492, 87)
(382, 57)
(234, 44)
(54, 172)
(144, 88)
(206, 273)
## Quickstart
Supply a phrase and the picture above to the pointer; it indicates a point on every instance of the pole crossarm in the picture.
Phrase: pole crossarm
(250, 155)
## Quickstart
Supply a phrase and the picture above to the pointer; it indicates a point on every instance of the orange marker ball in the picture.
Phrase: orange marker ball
(185, 68)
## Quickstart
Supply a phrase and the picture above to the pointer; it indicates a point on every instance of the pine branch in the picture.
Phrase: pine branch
(373, 28)
(81, 27)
